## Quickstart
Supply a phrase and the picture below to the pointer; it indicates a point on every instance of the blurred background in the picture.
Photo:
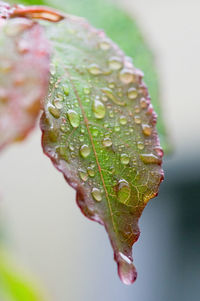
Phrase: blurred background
(71, 256)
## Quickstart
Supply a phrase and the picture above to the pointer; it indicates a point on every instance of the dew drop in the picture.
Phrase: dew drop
(107, 142)
(123, 120)
(94, 69)
(115, 63)
(137, 119)
(71, 147)
(150, 159)
(86, 90)
(74, 118)
(104, 45)
(117, 128)
(96, 193)
(83, 175)
(126, 269)
(57, 103)
(124, 159)
(140, 145)
(123, 191)
(95, 131)
(91, 171)
(126, 76)
(143, 103)
(147, 129)
(66, 90)
(111, 96)
(132, 93)
(84, 150)
(54, 112)
(98, 109)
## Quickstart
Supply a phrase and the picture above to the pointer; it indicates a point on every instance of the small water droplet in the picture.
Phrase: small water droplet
(91, 171)
(74, 118)
(147, 129)
(84, 150)
(83, 175)
(123, 120)
(95, 131)
(143, 103)
(71, 147)
(96, 193)
(86, 90)
(150, 159)
(137, 119)
(132, 93)
(126, 76)
(99, 109)
(81, 138)
(66, 90)
(94, 69)
(111, 96)
(117, 128)
(126, 269)
(104, 45)
(54, 112)
(123, 191)
(124, 159)
(115, 63)
(107, 142)
(140, 145)
(57, 103)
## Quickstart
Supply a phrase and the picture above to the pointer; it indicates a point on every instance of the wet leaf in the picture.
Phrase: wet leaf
(99, 131)
(24, 75)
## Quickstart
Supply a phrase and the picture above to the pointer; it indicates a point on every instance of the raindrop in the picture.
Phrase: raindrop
(91, 171)
(132, 93)
(115, 63)
(96, 193)
(86, 90)
(107, 142)
(150, 159)
(147, 129)
(94, 69)
(74, 118)
(124, 159)
(126, 76)
(123, 120)
(84, 150)
(143, 103)
(126, 269)
(66, 90)
(95, 131)
(54, 112)
(104, 45)
(110, 95)
(98, 109)
(57, 103)
(137, 119)
(140, 145)
(123, 191)
(83, 175)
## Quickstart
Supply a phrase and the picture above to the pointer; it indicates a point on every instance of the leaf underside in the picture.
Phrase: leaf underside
(24, 75)
(99, 130)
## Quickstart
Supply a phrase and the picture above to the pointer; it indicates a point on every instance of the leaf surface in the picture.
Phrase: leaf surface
(24, 75)
(99, 131)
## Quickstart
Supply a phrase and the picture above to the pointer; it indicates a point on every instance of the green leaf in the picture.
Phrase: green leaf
(99, 131)
(123, 30)
(14, 286)
(24, 75)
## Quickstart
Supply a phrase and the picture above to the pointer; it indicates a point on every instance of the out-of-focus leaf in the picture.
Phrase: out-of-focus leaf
(123, 30)
(99, 131)
(14, 286)
(24, 75)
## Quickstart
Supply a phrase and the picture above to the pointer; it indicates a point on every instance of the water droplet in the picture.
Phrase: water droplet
(137, 119)
(126, 269)
(110, 95)
(143, 103)
(57, 103)
(95, 131)
(132, 93)
(107, 142)
(94, 69)
(66, 90)
(104, 45)
(117, 128)
(71, 147)
(123, 191)
(147, 129)
(91, 171)
(159, 151)
(84, 150)
(83, 175)
(74, 118)
(115, 63)
(96, 193)
(111, 114)
(150, 159)
(126, 76)
(86, 90)
(140, 145)
(98, 109)
(123, 120)
(81, 138)
(54, 112)
(124, 159)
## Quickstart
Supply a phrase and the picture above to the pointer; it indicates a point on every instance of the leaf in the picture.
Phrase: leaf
(99, 131)
(24, 75)
(13, 285)
(124, 31)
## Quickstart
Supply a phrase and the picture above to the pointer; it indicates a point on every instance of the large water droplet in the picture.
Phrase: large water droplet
(96, 193)
(124, 159)
(126, 269)
(94, 69)
(150, 159)
(123, 191)
(132, 93)
(54, 112)
(74, 118)
(99, 109)
(107, 142)
(147, 129)
(84, 150)
(115, 63)
(126, 76)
